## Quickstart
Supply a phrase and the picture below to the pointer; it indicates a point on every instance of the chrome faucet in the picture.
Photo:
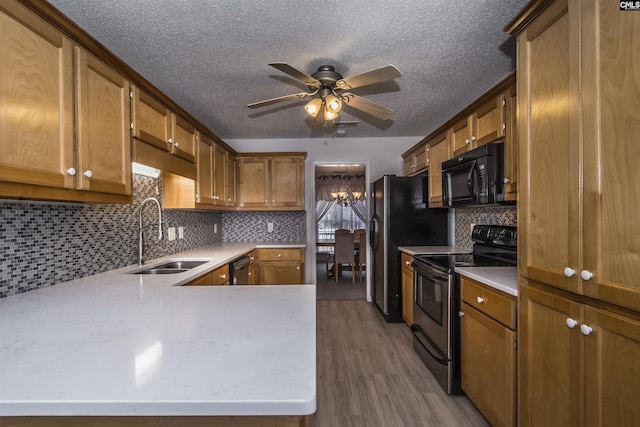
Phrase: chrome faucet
(141, 242)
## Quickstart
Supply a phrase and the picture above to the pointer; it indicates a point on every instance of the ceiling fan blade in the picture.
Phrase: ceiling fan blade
(374, 76)
(297, 74)
(369, 107)
(280, 99)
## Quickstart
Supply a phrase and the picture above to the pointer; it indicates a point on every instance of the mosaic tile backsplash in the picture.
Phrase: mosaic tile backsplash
(503, 215)
(288, 226)
(42, 244)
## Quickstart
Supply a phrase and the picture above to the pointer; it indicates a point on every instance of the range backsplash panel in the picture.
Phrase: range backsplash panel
(42, 244)
(288, 226)
(503, 215)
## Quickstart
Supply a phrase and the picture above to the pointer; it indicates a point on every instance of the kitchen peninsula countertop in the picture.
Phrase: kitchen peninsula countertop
(504, 279)
(119, 344)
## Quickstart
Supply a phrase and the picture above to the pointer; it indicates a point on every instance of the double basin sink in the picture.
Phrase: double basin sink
(171, 267)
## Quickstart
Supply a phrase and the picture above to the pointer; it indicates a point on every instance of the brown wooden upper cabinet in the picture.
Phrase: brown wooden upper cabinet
(213, 184)
(416, 160)
(439, 151)
(271, 181)
(38, 156)
(153, 125)
(485, 124)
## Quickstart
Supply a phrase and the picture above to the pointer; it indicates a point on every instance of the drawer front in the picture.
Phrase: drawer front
(406, 261)
(204, 280)
(221, 275)
(280, 255)
(493, 303)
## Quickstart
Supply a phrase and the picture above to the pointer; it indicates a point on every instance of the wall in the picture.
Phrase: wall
(46, 243)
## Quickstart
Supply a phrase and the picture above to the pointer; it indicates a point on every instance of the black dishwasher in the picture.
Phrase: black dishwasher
(239, 271)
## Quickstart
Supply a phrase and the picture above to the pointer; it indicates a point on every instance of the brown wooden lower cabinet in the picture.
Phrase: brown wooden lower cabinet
(205, 421)
(578, 360)
(488, 346)
(217, 277)
(281, 266)
(407, 288)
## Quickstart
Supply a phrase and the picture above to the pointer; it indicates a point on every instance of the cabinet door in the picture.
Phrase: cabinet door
(489, 366)
(36, 100)
(407, 295)
(183, 141)
(549, 116)
(550, 387)
(612, 372)
(611, 173)
(461, 136)
(408, 164)
(102, 123)
(254, 183)
(151, 120)
(205, 171)
(220, 175)
(511, 151)
(281, 273)
(287, 182)
(254, 274)
(232, 168)
(489, 121)
(439, 151)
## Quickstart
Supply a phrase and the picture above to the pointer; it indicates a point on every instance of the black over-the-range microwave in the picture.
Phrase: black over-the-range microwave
(475, 177)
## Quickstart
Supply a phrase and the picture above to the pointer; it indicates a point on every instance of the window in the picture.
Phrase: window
(337, 217)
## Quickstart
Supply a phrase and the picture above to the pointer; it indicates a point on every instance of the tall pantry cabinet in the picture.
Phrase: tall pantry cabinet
(578, 90)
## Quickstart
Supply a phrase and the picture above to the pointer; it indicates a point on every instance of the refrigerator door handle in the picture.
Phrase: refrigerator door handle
(372, 232)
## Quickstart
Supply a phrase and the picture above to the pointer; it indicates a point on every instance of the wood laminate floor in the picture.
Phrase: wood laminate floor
(369, 374)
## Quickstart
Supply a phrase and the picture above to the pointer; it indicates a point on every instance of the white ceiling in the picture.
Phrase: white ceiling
(211, 56)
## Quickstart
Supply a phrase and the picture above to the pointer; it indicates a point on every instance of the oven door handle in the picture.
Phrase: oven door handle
(415, 329)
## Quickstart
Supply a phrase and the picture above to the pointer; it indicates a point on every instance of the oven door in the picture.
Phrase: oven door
(432, 299)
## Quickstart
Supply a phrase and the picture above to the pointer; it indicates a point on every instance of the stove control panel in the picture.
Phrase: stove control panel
(502, 235)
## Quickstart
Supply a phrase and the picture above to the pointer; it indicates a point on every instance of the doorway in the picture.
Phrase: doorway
(341, 205)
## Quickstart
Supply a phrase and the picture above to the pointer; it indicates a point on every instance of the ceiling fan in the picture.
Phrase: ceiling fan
(329, 91)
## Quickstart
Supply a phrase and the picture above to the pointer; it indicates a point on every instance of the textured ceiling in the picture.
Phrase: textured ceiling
(211, 57)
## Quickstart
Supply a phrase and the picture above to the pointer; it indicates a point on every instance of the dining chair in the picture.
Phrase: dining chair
(360, 237)
(344, 254)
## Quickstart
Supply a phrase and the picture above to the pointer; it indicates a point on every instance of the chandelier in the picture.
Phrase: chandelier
(346, 198)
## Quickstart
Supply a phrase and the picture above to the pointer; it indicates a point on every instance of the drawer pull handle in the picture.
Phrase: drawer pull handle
(480, 300)
(571, 323)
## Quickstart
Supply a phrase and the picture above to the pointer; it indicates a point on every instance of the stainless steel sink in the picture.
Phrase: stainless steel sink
(170, 267)
(161, 271)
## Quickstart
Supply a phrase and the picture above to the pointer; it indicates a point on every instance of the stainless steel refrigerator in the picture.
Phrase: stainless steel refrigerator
(400, 217)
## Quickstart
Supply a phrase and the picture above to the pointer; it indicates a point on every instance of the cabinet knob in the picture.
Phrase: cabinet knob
(223, 276)
(569, 272)
(252, 258)
(407, 263)
(71, 171)
(473, 138)
(297, 268)
(273, 201)
(249, 273)
(177, 144)
(480, 300)
(197, 196)
(586, 274)
(88, 173)
(461, 313)
(506, 180)
(571, 323)
(279, 255)
(585, 329)
(466, 141)
(170, 141)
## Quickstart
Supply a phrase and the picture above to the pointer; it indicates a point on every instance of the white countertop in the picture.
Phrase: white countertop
(504, 279)
(433, 250)
(125, 344)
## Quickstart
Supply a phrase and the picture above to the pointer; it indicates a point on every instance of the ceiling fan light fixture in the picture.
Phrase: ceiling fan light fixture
(313, 107)
(330, 115)
(333, 103)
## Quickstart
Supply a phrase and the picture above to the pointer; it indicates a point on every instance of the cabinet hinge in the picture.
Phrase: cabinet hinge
(131, 125)
(504, 126)
(130, 94)
(515, 345)
(504, 102)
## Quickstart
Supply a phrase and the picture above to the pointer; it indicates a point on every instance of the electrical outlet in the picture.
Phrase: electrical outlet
(215, 228)
(181, 232)
(171, 233)
(270, 227)
(472, 225)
